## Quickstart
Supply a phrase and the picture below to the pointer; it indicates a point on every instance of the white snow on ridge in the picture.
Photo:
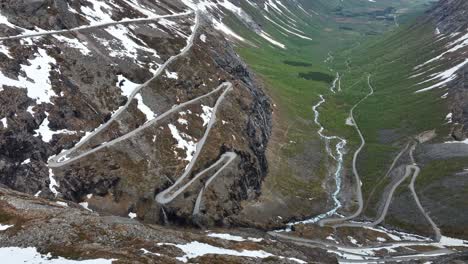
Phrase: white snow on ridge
(30, 255)
(211, 6)
(455, 45)
(218, 25)
(287, 30)
(444, 77)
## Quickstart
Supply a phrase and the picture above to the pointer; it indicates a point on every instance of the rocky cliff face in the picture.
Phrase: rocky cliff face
(450, 19)
(88, 114)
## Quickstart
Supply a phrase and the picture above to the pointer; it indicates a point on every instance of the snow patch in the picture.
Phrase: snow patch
(233, 237)
(172, 75)
(47, 134)
(132, 215)
(196, 249)
(4, 122)
(184, 142)
(206, 115)
(37, 79)
(53, 183)
(30, 255)
(203, 38)
(5, 227)
(218, 25)
(266, 36)
(74, 43)
(144, 108)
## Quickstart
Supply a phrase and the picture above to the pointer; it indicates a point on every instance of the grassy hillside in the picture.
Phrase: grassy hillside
(297, 75)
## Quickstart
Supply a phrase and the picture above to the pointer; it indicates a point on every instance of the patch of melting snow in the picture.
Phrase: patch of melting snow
(266, 36)
(182, 121)
(448, 118)
(47, 134)
(85, 205)
(5, 50)
(444, 77)
(145, 10)
(101, 12)
(125, 38)
(149, 252)
(353, 240)
(63, 204)
(16, 255)
(53, 183)
(5, 227)
(26, 161)
(172, 75)
(218, 25)
(126, 85)
(457, 142)
(132, 215)
(234, 238)
(4, 122)
(184, 142)
(144, 108)
(74, 43)
(196, 249)
(381, 239)
(203, 38)
(37, 79)
(453, 46)
(206, 115)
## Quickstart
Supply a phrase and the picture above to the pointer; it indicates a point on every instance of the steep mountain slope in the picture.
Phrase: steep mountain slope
(104, 78)
(146, 110)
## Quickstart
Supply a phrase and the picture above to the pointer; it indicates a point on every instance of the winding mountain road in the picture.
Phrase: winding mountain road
(355, 157)
(169, 194)
(106, 24)
(410, 170)
(62, 158)
(229, 157)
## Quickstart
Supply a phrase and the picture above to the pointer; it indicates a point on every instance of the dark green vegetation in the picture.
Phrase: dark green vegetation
(297, 63)
(316, 76)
